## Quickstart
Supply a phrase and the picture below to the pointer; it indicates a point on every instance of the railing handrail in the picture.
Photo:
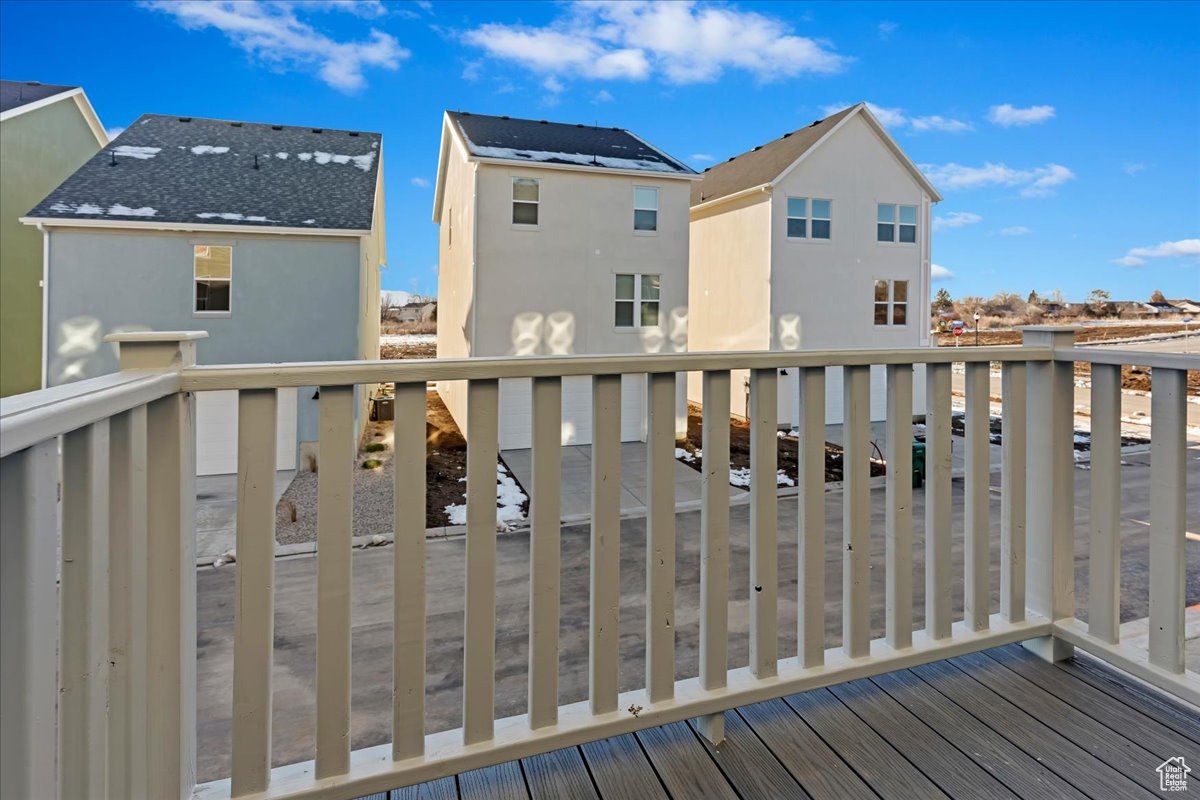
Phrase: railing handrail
(339, 373)
(33, 417)
(1096, 355)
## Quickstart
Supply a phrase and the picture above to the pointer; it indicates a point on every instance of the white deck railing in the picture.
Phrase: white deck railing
(119, 721)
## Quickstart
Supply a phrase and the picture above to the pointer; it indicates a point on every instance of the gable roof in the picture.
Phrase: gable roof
(185, 173)
(768, 163)
(14, 94)
(542, 142)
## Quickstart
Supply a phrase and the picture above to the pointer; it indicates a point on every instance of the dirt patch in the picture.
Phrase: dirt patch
(739, 449)
(1087, 333)
(1082, 439)
(416, 346)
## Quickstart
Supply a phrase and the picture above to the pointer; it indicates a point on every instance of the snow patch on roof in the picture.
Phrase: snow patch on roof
(282, 156)
(205, 149)
(116, 210)
(119, 210)
(513, 154)
(132, 151)
(363, 162)
(231, 216)
(309, 222)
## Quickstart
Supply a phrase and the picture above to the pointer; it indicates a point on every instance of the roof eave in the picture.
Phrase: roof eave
(64, 222)
(641, 173)
(729, 198)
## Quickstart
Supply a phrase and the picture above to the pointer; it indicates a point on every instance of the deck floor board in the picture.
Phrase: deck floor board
(996, 724)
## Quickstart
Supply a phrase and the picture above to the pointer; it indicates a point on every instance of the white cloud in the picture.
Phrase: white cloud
(471, 71)
(685, 42)
(955, 219)
(1007, 115)
(898, 118)
(602, 96)
(1034, 182)
(700, 157)
(1015, 230)
(420, 183)
(939, 273)
(1133, 169)
(552, 85)
(886, 29)
(113, 133)
(367, 9)
(1184, 248)
(273, 33)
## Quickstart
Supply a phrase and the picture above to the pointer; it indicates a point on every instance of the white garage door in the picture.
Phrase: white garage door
(216, 432)
(516, 411)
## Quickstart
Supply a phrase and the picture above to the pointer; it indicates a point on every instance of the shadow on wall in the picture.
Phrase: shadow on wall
(76, 349)
(553, 334)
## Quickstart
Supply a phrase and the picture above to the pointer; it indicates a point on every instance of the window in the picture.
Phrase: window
(525, 201)
(645, 208)
(802, 225)
(637, 301)
(213, 273)
(891, 302)
(892, 217)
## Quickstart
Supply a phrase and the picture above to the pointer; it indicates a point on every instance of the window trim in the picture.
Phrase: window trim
(524, 226)
(636, 208)
(916, 226)
(808, 220)
(196, 313)
(891, 302)
(636, 301)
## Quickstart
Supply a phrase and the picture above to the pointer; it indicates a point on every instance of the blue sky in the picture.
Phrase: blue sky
(1064, 137)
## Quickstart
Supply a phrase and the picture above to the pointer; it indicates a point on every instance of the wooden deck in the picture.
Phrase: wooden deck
(989, 725)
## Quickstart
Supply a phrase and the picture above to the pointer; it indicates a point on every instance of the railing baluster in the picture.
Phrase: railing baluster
(898, 571)
(83, 658)
(714, 545)
(810, 617)
(335, 495)
(976, 582)
(254, 596)
(545, 567)
(660, 538)
(1104, 520)
(937, 501)
(29, 620)
(764, 498)
(605, 543)
(856, 511)
(479, 646)
(127, 604)
(1012, 492)
(408, 570)
(1168, 482)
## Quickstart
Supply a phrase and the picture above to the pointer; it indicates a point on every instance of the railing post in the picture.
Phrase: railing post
(170, 727)
(1050, 487)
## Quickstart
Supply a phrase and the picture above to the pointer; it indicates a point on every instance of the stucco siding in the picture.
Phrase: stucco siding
(39, 149)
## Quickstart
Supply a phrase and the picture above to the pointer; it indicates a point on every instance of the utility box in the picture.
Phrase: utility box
(383, 409)
(918, 464)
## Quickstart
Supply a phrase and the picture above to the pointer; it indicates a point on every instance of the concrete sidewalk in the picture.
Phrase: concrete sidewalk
(577, 478)
(216, 511)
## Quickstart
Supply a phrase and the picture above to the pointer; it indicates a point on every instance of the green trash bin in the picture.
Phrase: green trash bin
(918, 464)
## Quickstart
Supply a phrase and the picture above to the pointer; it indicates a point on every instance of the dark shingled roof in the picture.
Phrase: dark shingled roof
(762, 164)
(202, 172)
(14, 94)
(539, 141)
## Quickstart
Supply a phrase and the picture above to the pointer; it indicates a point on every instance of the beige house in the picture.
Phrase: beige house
(818, 240)
(558, 239)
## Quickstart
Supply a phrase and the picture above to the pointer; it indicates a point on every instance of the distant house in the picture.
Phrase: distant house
(558, 239)
(819, 239)
(269, 237)
(46, 133)
(1186, 306)
(421, 311)
(1162, 308)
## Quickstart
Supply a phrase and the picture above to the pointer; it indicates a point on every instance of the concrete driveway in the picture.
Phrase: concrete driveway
(216, 511)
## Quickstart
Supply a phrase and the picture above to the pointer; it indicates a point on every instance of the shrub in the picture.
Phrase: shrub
(375, 447)
(372, 463)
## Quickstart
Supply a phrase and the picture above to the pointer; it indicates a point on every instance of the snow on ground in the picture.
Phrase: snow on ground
(741, 477)
(408, 338)
(509, 499)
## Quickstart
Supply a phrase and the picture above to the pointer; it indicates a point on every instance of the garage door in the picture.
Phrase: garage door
(216, 432)
(516, 411)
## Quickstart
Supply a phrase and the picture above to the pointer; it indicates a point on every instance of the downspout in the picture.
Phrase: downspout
(45, 303)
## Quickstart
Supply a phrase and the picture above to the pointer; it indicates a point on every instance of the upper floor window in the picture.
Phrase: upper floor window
(525, 198)
(637, 301)
(897, 223)
(891, 302)
(212, 270)
(804, 225)
(645, 208)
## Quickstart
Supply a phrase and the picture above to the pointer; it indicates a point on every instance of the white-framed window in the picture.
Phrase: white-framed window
(637, 301)
(526, 195)
(896, 223)
(891, 302)
(212, 278)
(809, 218)
(645, 208)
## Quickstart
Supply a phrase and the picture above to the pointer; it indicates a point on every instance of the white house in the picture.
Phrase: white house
(816, 240)
(558, 239)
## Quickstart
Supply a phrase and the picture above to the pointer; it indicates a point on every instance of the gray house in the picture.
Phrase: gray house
(269, 237)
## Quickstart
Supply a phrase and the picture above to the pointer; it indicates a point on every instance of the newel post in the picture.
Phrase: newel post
(1050, 486)
(170, 589)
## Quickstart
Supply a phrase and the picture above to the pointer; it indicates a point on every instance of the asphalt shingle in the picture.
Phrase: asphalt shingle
(14, 94)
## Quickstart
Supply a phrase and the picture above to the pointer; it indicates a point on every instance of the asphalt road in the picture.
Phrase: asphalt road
(295, 636)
